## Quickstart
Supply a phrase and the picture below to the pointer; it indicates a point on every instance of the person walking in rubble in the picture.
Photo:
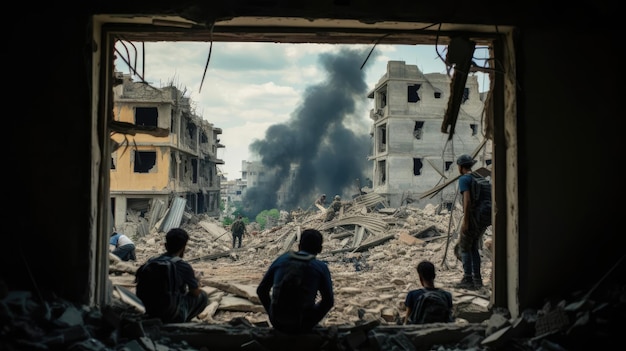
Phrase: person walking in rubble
(334, 208)
(122, 246)
(238, 229)
(320, 203)
(470, 235)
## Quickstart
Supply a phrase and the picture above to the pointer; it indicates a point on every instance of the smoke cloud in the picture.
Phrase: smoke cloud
(326, 140)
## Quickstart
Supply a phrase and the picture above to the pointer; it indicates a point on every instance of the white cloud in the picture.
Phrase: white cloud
(251, 86)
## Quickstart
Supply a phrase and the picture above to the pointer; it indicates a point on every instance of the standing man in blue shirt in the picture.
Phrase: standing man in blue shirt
(295, 278)
(471, 234)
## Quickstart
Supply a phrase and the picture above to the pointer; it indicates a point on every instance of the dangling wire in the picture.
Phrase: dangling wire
(209, 57)
(373, 47)
(386, 35)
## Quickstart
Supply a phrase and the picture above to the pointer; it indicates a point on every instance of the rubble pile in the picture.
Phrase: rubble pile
(372, 253)
(372, 257)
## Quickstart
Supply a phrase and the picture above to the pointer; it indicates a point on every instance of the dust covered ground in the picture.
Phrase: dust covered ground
(371, 254)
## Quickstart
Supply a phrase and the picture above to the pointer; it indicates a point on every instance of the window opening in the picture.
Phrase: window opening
(382, 138)
(417, 166)
(144, 161)
(382, 172)
(418, 130)
(146, 116)
(474, 128)
(412, 95)
(382, 97)
(113, 160)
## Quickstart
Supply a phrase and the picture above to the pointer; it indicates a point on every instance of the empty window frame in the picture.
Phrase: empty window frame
(418, 130)
(144, 161)
(474, 128)
(412, 93)
(448, 164)
(437, 95)
(194, 170)
(417, 166)
(113, 160)
(382, 137)
(146, 116)
(382, 172)
(381, 97)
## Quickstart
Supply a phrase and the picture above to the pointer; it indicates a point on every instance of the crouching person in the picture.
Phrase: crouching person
(167, 285)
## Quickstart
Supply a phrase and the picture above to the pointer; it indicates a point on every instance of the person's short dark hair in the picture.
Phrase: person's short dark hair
(176, 239)
(426, 270)
(311, 241)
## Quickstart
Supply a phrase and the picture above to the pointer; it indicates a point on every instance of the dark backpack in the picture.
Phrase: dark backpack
(288, 304)
(431, 307)
(158, 287)
(480, 193)
(238, 227)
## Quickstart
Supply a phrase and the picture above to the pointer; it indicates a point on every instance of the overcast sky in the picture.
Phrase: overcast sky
(251, 86)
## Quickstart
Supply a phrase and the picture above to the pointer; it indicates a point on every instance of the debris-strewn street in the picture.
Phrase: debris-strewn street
(371, 253)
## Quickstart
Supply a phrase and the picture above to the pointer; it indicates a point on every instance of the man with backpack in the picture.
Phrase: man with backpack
(167, 285)
(238, 229)
(472, 231)
(295, 278)
(429, 304)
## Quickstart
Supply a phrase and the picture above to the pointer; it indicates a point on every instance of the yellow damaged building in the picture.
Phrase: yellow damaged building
(164, 157)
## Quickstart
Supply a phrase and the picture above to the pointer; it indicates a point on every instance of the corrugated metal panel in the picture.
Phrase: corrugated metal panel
(155, 212)
(174, 215)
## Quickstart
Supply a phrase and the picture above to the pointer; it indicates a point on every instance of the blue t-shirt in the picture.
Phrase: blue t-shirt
(114, 239)
(465, 182)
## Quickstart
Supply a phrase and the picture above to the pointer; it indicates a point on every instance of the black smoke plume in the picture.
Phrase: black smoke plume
(327, 154)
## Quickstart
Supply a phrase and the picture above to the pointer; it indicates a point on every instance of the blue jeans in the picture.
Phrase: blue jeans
(126, 252)
(469, 245)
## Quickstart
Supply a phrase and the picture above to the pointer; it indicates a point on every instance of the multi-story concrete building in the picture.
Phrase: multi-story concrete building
(163, 151)
(232, 193)
(410, 153)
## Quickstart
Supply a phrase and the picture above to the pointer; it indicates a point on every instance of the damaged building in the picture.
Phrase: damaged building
(553, 236)
(410, 155)
(161, 151)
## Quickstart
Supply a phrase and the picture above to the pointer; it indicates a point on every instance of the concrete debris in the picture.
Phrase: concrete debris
(372, 259)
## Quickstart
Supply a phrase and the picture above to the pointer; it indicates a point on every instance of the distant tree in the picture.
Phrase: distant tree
(262, 217)
(227, 221)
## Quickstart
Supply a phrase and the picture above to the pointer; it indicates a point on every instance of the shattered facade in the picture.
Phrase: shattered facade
(174, 157)
(410, 154)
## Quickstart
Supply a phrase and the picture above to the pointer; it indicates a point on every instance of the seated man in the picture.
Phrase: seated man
(295, 279)
(430, 304)
(177, 297)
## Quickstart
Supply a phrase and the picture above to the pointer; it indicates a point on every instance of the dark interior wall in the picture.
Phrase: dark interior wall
(46, 240)
(570, 145)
